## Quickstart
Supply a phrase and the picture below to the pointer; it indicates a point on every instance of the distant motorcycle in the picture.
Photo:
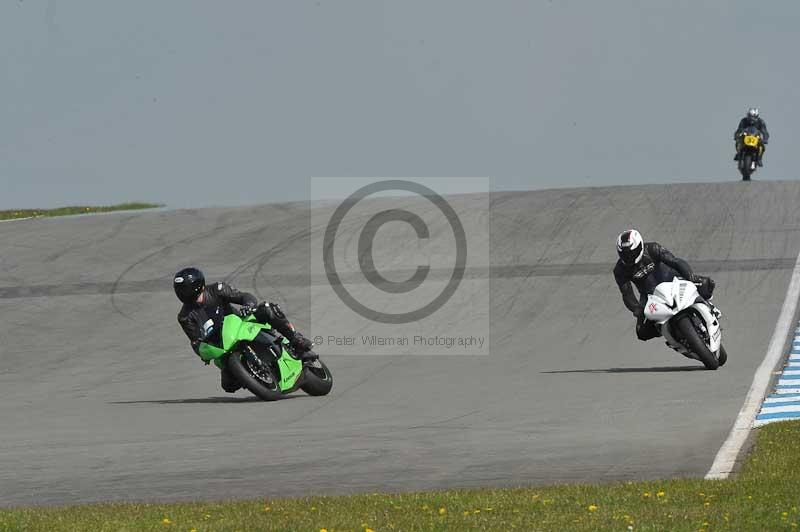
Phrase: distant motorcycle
(751, 146)
(688, 323)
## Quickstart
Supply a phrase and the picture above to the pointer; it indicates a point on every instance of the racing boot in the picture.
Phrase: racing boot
(228, 381)
(301, 346)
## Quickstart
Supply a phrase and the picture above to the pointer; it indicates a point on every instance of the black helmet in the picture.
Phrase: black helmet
(630, 247)
(188, 284)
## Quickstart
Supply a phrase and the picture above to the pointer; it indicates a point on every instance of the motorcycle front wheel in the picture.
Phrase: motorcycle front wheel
(723, 356)
(256, 376)
(746, 167)
(317, 379)
(696, 344)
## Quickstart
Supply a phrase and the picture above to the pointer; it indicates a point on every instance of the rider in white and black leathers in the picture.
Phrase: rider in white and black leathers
(204, 307)
(645, 265)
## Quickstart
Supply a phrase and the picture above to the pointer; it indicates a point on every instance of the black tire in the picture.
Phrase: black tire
(723, 356)
(317, 380)
(696, 345)
(257, 386)
(746, 164)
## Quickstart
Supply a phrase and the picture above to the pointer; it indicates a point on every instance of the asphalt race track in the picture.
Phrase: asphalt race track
(102, 399)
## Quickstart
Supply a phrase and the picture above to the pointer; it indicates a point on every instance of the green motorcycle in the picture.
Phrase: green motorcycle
(261, 360)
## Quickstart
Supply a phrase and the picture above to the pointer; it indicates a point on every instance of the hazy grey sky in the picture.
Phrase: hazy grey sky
(196, 103)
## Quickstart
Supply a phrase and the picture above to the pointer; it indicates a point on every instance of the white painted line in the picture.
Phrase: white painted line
(788, 390)
(781, 400)
(16, 219)
(725, 461)
(791, 371)
(774, 409)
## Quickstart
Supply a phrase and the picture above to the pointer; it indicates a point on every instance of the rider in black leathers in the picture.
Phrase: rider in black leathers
(202, 305)
(751, 120)
(645, 265)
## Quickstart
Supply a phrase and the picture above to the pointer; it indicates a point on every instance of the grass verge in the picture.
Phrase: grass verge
(764, 496)
(14, 214)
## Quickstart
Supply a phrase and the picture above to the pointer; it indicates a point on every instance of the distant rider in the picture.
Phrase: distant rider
(646, 265)
(202, 305)
(751, 120)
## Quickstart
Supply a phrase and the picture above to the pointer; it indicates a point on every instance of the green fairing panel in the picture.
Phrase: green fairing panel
(290, 368)
(235, 329)
(209, 352)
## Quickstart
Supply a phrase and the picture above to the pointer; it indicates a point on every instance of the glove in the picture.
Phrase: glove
(638, 313)
(246, 311)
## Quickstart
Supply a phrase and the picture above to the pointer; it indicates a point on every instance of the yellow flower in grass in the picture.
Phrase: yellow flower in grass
(166, 521)
(646, 495)
(592, 507)
(660, 494)
(442, 511)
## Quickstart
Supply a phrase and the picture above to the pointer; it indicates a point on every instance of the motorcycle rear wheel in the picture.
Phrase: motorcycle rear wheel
(696, 344)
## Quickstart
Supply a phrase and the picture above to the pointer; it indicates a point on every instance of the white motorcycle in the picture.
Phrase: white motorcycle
(689, 323)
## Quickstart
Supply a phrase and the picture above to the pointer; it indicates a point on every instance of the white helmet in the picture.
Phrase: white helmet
(630, 247)
(752, 112)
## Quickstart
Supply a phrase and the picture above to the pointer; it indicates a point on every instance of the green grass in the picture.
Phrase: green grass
(13, 214)
(765, 496)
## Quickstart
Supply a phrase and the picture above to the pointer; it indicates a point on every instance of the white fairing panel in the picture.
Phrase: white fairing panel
(668, 299)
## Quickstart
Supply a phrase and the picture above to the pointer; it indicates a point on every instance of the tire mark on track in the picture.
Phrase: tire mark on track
(193, 238)
(116, 230)
(515, 271)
